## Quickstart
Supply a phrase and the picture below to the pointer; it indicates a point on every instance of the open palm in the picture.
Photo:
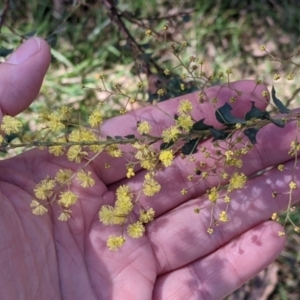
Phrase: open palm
(43, 258)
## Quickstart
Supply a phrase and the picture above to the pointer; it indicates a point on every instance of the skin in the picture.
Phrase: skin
(43, 258)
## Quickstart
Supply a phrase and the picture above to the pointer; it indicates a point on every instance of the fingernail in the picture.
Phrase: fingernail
(25, 51)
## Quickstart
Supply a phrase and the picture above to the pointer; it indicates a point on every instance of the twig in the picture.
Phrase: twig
(116, 18)
(288, 102)
(129, 15)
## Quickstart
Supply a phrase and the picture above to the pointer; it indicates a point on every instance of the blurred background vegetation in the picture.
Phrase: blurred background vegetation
(91, 38)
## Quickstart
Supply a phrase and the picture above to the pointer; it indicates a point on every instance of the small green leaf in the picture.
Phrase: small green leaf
(52, 40)
(281, 107)
(30, 34)
(113, 50)
(256, 113)
(186, 18)
(278, 122)
(146, 57)
(146, 46)
(136, 13)
(10, 137)
(218, 134)
(190, 147)
(200, 125)
(61, 58)
(164, 146)
(129, 136)
(224, 116)
(5, 51)
(251, 134)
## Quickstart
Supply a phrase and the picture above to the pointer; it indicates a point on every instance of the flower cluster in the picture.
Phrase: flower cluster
(148, 153)
(119, 215)
(58, 189)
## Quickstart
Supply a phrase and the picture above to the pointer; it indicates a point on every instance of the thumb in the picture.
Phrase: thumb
(21, 76)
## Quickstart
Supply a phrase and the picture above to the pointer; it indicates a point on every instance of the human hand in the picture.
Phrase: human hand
(43, 258)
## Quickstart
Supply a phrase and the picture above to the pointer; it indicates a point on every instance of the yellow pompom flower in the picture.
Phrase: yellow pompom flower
(144, 127)
(123, 206)
(115, 242)
(54, 122)
(37, 208)
(213, 194)
(58, 150)
(276, 76)
(275, 217)
(76, 154)
(114, 151)
(183, 191)
(44, 189)
(44, 114)
(82, 134)
(136, 230)
(146, 216)
(65, 112)
(224, 175)
(143, 150)
(262, 48)
(237, 181)
(166, 157)
(170, 134)
(10, 125)
(227, 199)
(130, 172)
(185, 122)
(148, 32)
(293, 185)
(96, 118)
(107, 215)
(63, 176)
(151, 187)
(160, 92)
(167, 72)
(149, 162)
(223, 217)
(185, 106)
(280, 167)
(64, 216)
(85, 179)
(210, 230)
(295, 147)
(290, 76)
(67, 198)
(124, 192)
(204, 174)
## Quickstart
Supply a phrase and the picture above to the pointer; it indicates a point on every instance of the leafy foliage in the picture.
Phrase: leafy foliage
(281, 107)
(224, 116)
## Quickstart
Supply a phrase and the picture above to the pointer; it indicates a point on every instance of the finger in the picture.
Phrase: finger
(225, 270)
(176, 235)
(21, 76)
(162, 117)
